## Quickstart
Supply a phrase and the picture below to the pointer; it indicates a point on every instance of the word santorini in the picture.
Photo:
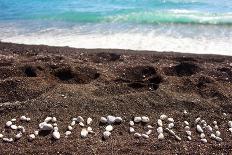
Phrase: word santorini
(165, 125)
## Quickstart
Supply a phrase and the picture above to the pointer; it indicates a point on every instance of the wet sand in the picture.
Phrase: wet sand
(41, 81)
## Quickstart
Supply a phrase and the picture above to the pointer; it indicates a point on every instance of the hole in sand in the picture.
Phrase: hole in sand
(30, 71)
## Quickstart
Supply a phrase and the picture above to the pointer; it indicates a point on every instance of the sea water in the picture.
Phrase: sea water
(190, 26)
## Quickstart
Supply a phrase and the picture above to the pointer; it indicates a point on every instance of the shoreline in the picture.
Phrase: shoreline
(40, 81)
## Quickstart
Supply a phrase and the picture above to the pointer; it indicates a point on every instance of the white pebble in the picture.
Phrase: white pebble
(160, 123)
(145, 136)
(9, 140)
(106, 134)
(172, 132)
(55, 128)
(199, 129)
(230, 124)
(185, 112)
(9, 123)
(1, 135)
(81, 124)
(80, 119)
(13, 119)
(109, 128)
(150, 127)
(170, 125)
(204, 140)
(163, 117)
(21, 128)
(84, 133)
(131, 130)
(189, 133)
(45, 127)
(137, 135)
(215, 122)
(36, 133)
(189, 138)
(230, 129)
(145, 119)
(161, 136)
(89, 121)
(216, 127)
(111, 119)
(103, 120)
(218, 139)
(148, 132)
(89, 129)
(23, 118)
(209, 128)
(14, 127)
(70, 128)
(31, 137)
(160, 130)
(197, 120)
(224, 114)
(55, 124)
(67, 133)
(202, 135)
(118, 119)
(177, 138)
(74, 119)
(187, 128)
(137, 119)
(218, 133)
(54, 119)
(73, 123)
(186, 123)
(212, 136)
(171, 120)
(203, 122)
(131, 123)
(28, 119)
(56, 135)
(18, 136)
(48, 119)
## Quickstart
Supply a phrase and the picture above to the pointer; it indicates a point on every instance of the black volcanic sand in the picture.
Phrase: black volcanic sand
(41, 81)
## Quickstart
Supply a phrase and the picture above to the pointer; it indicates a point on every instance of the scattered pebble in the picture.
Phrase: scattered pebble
(70, 128)
(31, 137)
(209, 128)
(137, 135)
(23, 118)
(9, 140)
(131, 130)
(18, 136)
(28, 119)
(80, 119)
(199, 129)
(73, 123)
(216, 127)
(109, 128)
(1, 135)
(103, 120)
(89, 129)
(74, 119)
(110, 119)
(160, 130)
(13, 119)
(45, 127)
(150, 127)
(202, 135)
(48, 119)
(215, 122)
(67, 133)
(145, 136)
(171, 120)
(187, 128)
(131, 123)
(137, 119)
(106, 134)
(189, 133)
(145, 119)
(163, 117)
(185, 112)
(84, 133)
(81, 124)
(148, 132)
(213, 136)
(218, 133)
(197, 120)
(170, 125)
(14, 127)
(89, 121)
(21, 128)
(118, 119)
(189, 138)
(36, 133)
(186, 123)
(9, 123)
(160, 123)
(230, 129)
(161, 136)
(55, 128)
(204, 140)
(56, 135)
(54, 119)
(218, 139)
(230, 124)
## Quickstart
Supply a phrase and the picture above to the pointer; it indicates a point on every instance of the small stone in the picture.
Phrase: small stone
(70, 128)
(36, 133)
(118, 119)
(54, 119)
(18, 136)
(89, 121)
(148, 132)
(150, 127)
(9, 123)
(67, 133)
(161, 136)
(73, 123)
(216, 127)
(56, 135)
(230, 124)
(48, 119)
(110, 119)
(8, 140)
(131, 130)
(145, 136)
(209, 128)
(103, 120)
(185, 112)
(145, 119)
(171, 120)
(109, 128)
(199, 129)
(137, 119)
(23, 118)
(187, 128)
(137, 135)
(186, 123)
(45, 127)
(215, 122)
(197, 120)
(218, 133)
(230, 129)
(203, 122)
(31, 137)
(160, 123)
(84, 133)
(189, 138)
(163, 117)
(13, 119)
(74, 119)
(89, 129)
(204, 140)
(224, 114)
(131, 123)
(21, 128)
(55, 128)
(14, 127)
(106, 134)
(28, 119)
(172, 132)
(1, 135)
(218, 139)
(212, 136)
(81, 124)
(170, 125)
(80, 119)
(202, 135)
(189, 133)
(160, 130)
(55, 124)
(178, 138)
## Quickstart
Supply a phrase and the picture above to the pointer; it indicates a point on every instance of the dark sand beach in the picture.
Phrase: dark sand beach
(41, 81)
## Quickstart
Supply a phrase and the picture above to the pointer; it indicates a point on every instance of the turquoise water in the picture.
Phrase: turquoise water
(199, 26)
